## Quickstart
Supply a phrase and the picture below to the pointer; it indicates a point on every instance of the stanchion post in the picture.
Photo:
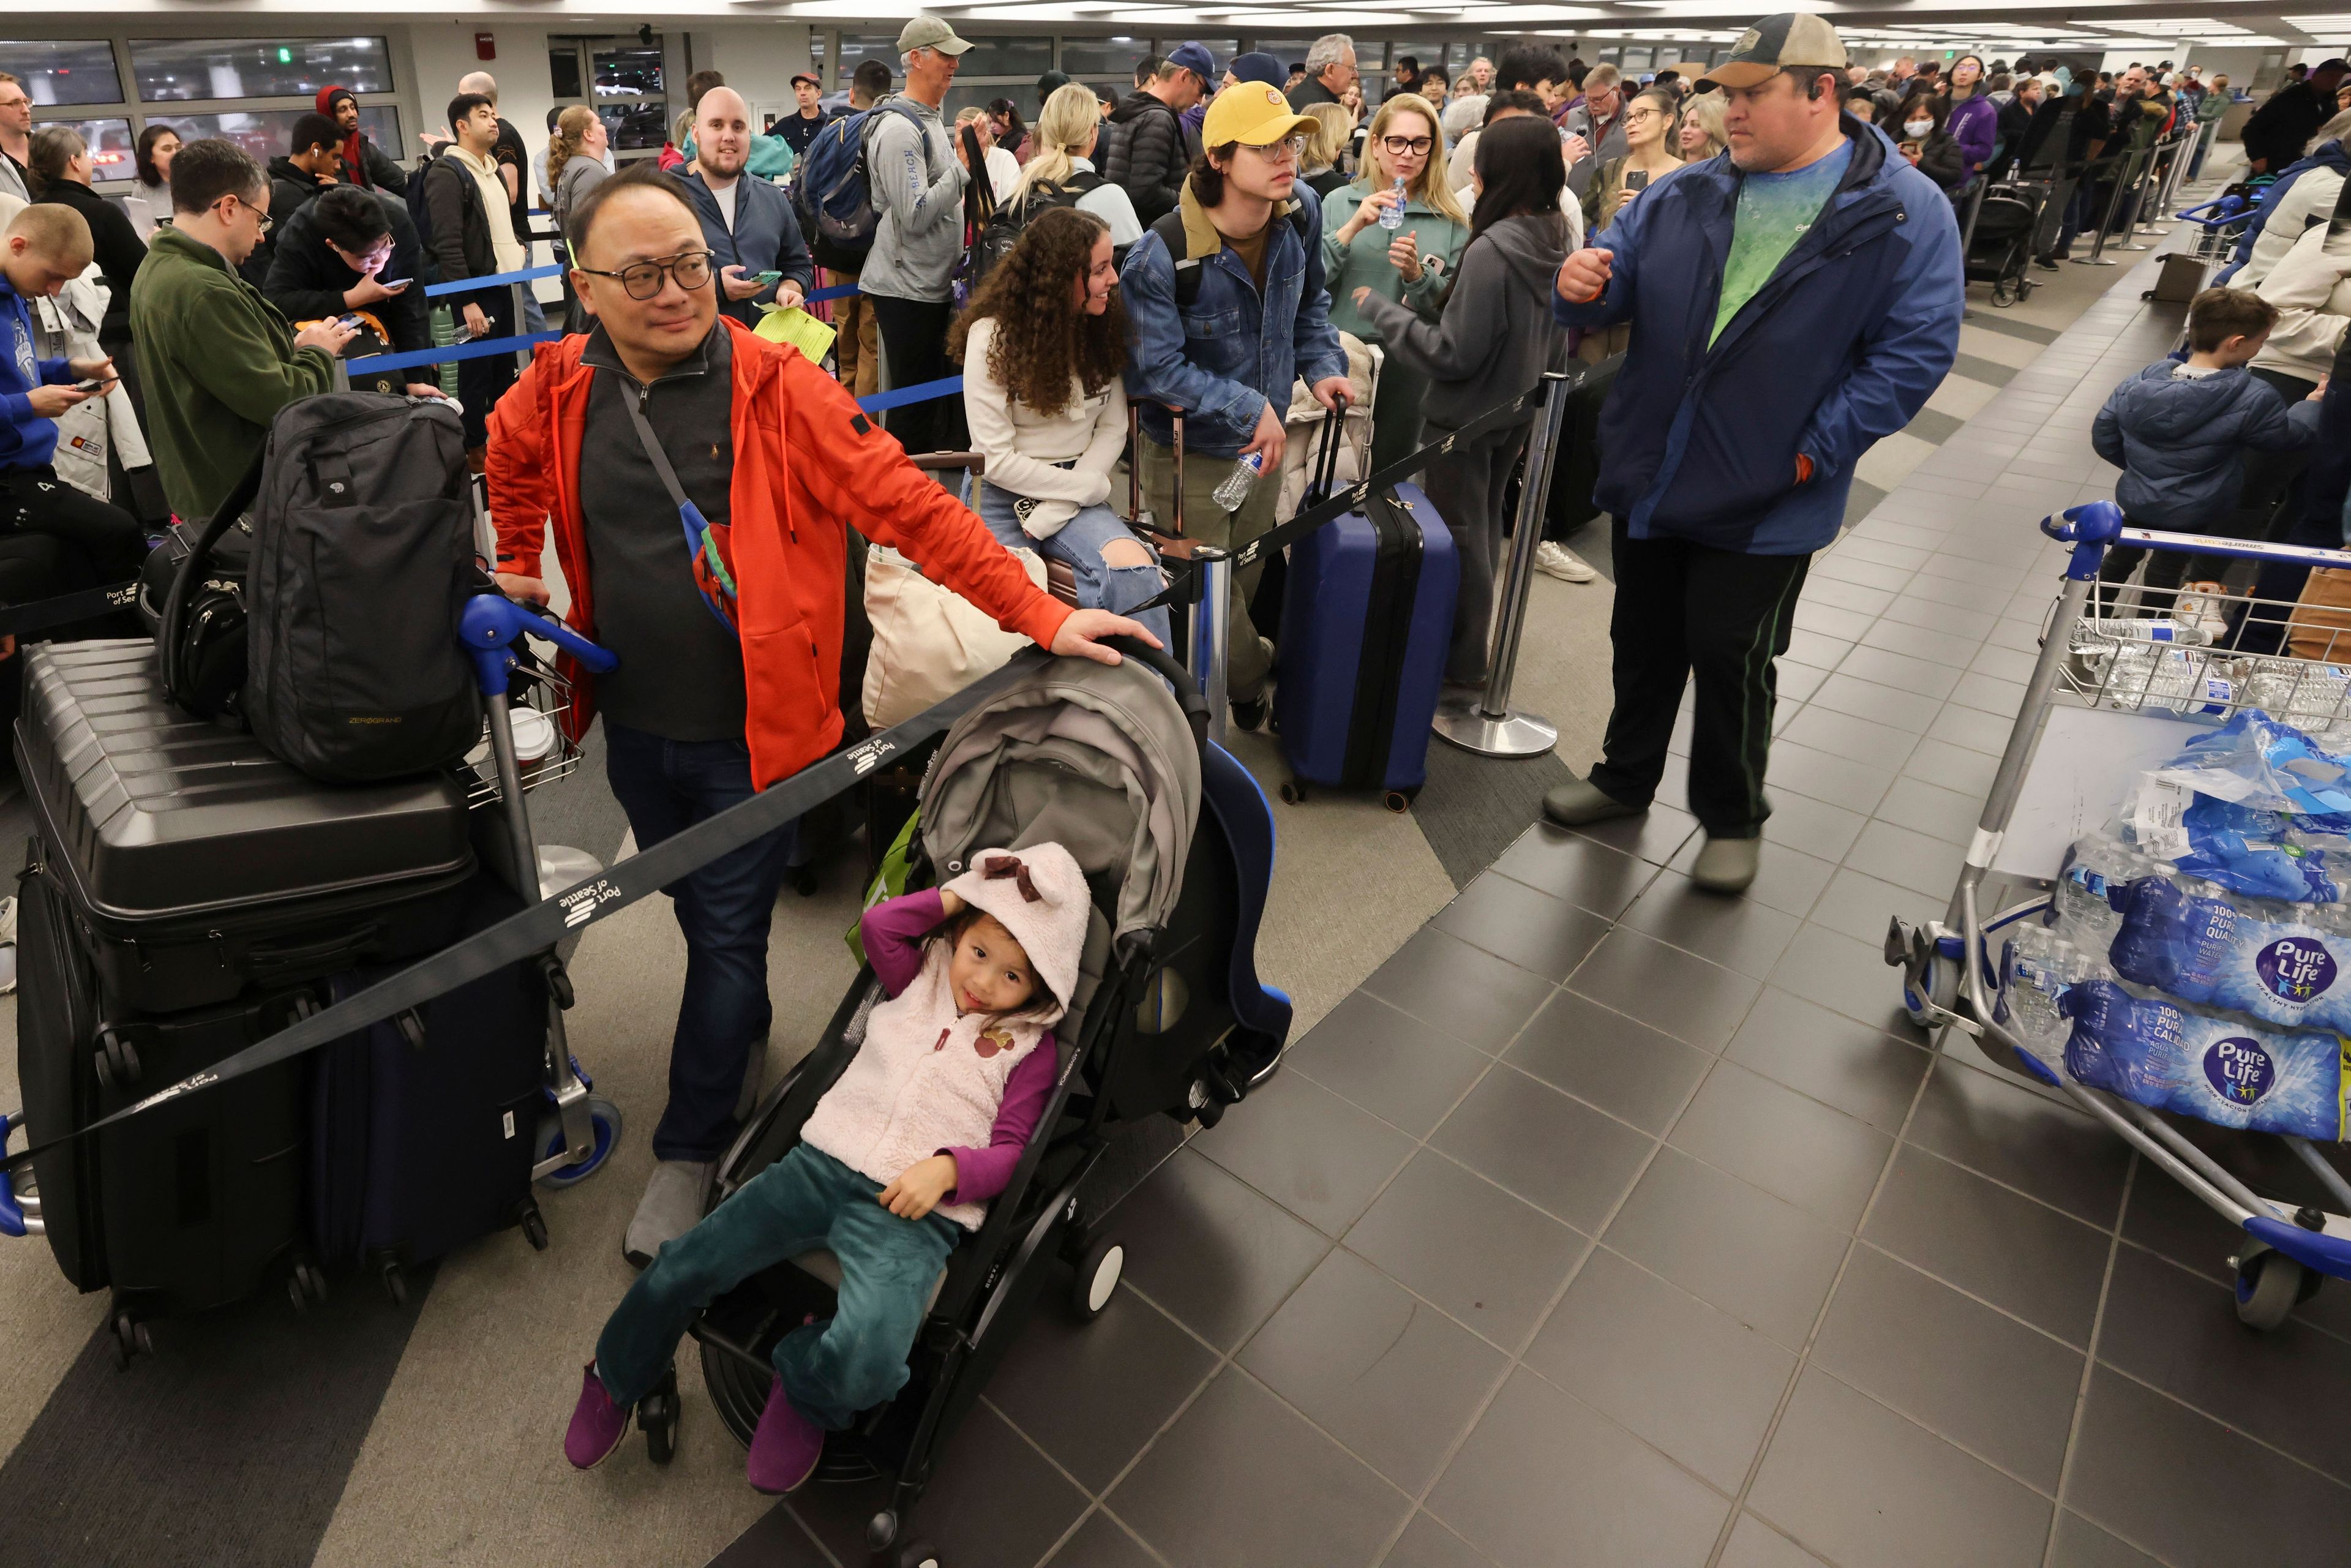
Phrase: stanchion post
(2097, 256)
(2158, 186)
(1484, 724)
(1208, 632)
(2133, 189)
(522, 355)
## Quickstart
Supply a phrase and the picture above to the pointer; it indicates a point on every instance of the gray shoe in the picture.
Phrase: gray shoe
(671, 1206)
(1579, 801)
(1727, 865)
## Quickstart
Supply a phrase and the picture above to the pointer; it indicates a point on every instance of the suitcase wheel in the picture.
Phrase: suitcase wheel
(131, 1339)
(604, 1117)
(305, 1287)
(534, 1226)
(1293, 792)
(118, 1060)
(394, 1280)
(1398, 800)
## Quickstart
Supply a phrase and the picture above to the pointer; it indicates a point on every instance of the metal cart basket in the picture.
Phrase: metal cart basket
(2178, 656)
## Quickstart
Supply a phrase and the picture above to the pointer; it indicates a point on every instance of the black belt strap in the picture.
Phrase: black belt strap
(43, 613)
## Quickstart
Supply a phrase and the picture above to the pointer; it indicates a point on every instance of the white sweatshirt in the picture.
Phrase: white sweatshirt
(2312, 289)
(1023, 447)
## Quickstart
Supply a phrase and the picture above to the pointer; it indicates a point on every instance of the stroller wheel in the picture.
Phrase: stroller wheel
(918, 1554)
(2269, 1285)
(605, 1118)
(657, 1418)
(1097, 1278)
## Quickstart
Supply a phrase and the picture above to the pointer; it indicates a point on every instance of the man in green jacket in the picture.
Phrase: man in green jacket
(219, 360)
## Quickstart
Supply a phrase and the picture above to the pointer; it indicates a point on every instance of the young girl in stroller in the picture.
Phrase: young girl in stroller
(899, 1157)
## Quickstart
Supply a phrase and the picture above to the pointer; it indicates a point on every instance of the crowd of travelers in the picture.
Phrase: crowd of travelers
(1226, 264)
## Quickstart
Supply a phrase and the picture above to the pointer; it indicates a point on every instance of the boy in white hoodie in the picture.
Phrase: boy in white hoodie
(899, 1157)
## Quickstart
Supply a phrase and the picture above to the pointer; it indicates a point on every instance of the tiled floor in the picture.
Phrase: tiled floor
(1609, 1223)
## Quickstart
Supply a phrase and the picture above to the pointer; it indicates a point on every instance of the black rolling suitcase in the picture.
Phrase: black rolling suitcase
(426, 1127)
(187, 896)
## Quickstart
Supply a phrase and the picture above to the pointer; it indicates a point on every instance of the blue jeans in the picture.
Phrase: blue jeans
(666, 787)
(832, 1370)
(534, 314)
(1080, 542)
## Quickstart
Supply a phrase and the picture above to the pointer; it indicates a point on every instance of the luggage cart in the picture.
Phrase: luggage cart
(2218, 225)
(2125, 664)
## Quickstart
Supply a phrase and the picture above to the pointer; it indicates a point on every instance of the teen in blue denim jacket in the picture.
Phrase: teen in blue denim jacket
(1223, 330)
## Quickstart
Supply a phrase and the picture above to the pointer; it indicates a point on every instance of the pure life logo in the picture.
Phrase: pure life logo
(2240, 1071)
(2294, 969)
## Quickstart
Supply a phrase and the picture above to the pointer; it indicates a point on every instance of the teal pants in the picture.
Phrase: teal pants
(832, 1370)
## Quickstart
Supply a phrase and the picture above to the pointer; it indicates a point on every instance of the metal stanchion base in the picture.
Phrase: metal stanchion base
(2092, 261)
(1463, 721)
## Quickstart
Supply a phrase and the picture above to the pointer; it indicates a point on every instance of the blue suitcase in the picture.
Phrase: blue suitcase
(1366, 620)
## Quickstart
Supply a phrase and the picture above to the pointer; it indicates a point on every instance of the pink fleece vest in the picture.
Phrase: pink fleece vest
(925, 1079)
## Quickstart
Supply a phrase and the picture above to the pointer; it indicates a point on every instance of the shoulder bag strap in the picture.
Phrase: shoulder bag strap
(699, 542)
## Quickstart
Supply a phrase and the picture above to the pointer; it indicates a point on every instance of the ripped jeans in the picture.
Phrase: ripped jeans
(1080, 542)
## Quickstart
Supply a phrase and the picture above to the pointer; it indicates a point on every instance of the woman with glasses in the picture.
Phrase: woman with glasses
(1403, 171)
(1971, 117)
(1651, 123)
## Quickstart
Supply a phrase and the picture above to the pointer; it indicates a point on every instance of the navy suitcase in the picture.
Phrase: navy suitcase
(424, 1128)
(1366, 620)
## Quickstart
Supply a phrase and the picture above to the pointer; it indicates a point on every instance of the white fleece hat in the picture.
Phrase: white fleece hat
(1039, 895)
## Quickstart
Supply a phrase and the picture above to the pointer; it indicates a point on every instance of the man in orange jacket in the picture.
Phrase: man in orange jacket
(713, 701)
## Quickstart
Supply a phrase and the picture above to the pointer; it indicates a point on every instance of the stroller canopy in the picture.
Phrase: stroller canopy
(1095, 757)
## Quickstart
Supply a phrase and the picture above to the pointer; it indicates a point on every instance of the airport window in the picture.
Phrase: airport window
(177, 70)
(63, 70)
(267, 133)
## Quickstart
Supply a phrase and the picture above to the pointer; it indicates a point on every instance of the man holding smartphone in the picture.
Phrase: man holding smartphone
(352, 249)
(755, 240)
(45, 247)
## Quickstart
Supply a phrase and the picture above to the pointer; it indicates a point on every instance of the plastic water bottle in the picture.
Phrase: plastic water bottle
(1235, 489)
(2099, 868)
(1391, 217)
(2038, 965)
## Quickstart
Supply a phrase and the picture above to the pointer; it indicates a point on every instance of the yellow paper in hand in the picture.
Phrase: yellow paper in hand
(800, 330)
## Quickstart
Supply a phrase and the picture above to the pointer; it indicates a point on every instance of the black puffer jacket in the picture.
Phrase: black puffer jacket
(118, 248)
(1143, 150)
(307, 280)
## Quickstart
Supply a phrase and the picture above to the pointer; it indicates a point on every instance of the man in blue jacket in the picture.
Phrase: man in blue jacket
(1226, 308)
(748, 222)
(1791, 301)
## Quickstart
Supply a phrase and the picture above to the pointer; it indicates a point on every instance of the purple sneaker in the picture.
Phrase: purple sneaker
(597, 1424)
(786, 1448)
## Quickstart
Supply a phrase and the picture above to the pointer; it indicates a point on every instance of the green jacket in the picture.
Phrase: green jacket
(218, 361)
(1364, 264)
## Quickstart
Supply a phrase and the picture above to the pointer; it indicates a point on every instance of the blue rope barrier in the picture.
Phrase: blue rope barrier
(838, 292)
(482, 348)
(921, 392)
(496, 280)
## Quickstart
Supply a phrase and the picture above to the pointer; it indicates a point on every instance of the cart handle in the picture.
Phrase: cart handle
(2239, 550)
(2089, 528)
(2225, 210)
(491, 623)
(12, 1212)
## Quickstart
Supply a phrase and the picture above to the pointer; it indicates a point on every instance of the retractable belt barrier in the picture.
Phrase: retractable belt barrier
(493, 280)
(80, 605)
(540, 926)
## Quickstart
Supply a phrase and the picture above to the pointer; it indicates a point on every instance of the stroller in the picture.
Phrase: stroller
(2000, 247)
(1169, 1018)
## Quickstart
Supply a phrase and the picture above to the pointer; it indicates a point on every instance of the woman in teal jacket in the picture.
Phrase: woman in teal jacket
(1409, 264)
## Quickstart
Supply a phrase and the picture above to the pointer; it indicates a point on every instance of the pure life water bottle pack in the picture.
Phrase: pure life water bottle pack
(2200, 955)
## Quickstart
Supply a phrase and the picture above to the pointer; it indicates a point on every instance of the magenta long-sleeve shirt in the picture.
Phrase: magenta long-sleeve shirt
(893, 930)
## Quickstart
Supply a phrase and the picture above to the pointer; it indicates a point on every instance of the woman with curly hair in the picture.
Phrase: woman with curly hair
(1043, 346)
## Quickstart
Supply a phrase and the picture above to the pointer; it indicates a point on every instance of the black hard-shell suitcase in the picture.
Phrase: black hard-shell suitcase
(424, 1129)
(197, 866)
(196, 1203)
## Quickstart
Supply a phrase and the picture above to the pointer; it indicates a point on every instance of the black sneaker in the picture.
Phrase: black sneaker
(1249, 715)
(2045, 263)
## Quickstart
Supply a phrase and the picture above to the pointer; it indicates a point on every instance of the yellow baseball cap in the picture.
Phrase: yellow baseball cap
(1252, 113)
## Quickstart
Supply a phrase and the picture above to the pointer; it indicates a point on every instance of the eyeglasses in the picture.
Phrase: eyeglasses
(647, 278)
(1420, 144)
(1288, 148)
(264, 219)
(1637, 116)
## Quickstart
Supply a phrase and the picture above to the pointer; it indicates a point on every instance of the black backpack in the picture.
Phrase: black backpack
(420, 210)
(1004, 229)
(362, 557)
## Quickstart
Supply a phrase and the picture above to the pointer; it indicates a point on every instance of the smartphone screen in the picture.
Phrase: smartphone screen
(87, 386)
(768, 278)
(1636, 179)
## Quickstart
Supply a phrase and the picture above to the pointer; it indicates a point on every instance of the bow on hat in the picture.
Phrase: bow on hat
(997, 867)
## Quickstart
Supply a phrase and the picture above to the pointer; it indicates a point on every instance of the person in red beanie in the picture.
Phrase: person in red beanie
(363, 163)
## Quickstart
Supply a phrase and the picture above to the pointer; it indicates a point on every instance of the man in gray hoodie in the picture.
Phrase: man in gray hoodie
(1495, 340)
(917, 174)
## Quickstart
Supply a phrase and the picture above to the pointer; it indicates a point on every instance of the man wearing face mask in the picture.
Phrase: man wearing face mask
(353, 249)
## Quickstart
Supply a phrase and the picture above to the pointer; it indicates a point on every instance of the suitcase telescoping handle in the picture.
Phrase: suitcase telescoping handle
(1172, 528)
(1326, 463)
